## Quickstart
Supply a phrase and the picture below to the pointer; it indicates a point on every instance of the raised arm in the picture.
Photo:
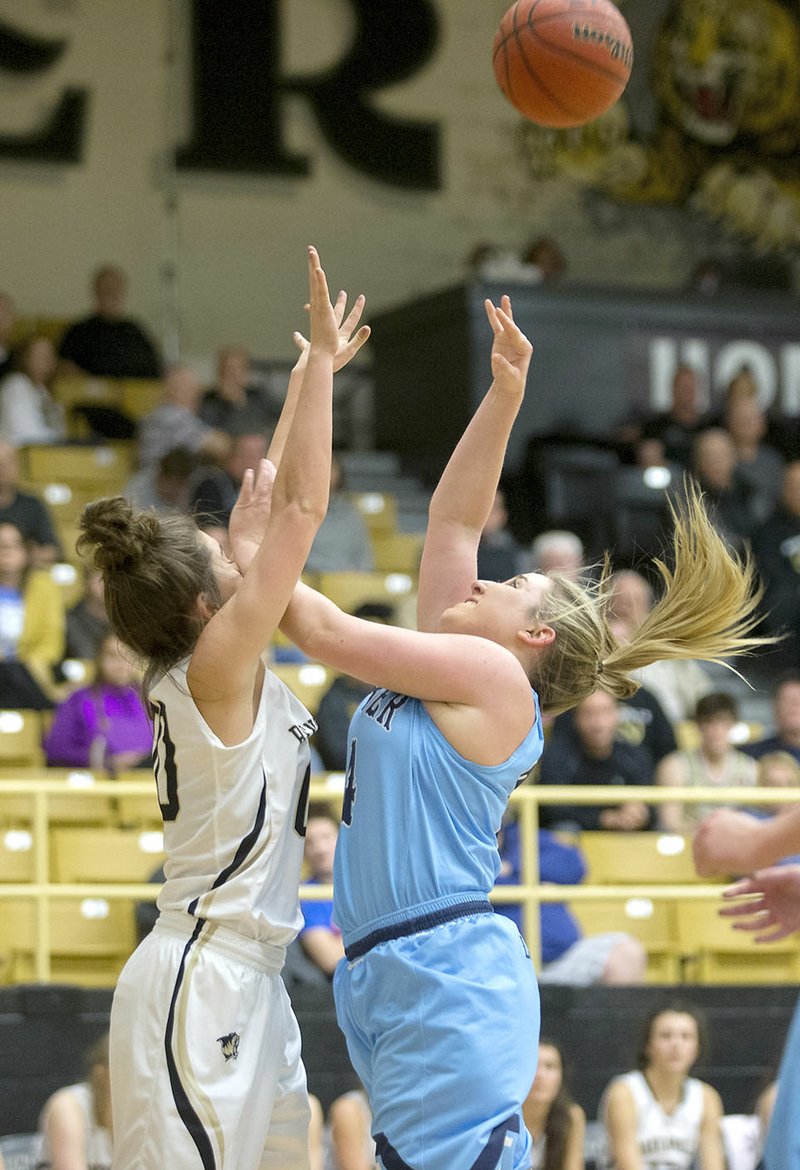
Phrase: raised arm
(226, 657)
(484, 702)
(730, 842)
(251, 512)
(463, 498)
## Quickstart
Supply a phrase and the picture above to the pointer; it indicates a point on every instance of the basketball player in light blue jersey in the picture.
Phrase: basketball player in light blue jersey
(436, 994)
(205, 1051)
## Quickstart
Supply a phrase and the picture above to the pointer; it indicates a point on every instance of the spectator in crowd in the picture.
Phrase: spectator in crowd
(8, 317)
(786, 717)
(758, 465)
(545, 256)
(499, 555)
(568, 956)
(26, 511)
(676, 684)
(214, 489)
(556, 1124)
(557, 551)
(713, 763)
(349, 1121)
(320, 938)
(677, 427)
(87, 621)
(321, 941)
(28, 411)
(108, 344)
(659, 1108)
(174, 422)
(163, 486)
(105, 725)
(728, 499)
(235, 405)
(641, 722)
(75, 1124)
(32, 626)
(595, 756)
(342, 542)
(776, 546)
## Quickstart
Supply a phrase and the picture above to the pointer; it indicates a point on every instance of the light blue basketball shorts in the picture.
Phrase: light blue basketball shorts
(442, 1027)
(782, 1150)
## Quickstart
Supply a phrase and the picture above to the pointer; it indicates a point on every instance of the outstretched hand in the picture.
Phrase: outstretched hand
(251, 512)
(511, 350)
(767, 903)
(331, 330)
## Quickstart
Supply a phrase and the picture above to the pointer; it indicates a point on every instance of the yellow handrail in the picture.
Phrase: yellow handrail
(529, 893)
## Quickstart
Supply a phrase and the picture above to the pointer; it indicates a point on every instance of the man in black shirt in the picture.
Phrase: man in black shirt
(108, 344)
(27, 512)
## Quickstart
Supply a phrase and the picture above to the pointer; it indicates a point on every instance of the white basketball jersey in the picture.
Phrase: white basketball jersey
(668, 1141)
(98, 1140)
(234, 817)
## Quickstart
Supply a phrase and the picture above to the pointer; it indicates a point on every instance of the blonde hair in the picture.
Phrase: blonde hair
(708, 610)
(777, 760)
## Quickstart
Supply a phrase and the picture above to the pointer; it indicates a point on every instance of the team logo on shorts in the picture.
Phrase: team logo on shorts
(230, 1045)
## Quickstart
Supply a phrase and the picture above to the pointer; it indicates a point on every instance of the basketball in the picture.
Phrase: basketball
(562, 62)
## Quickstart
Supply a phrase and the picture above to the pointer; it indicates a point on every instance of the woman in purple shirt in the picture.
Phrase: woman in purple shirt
(106, 724)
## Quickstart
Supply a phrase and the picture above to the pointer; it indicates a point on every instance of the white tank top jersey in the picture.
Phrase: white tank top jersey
(668, 1141)
(234, 817)
(98, 1140)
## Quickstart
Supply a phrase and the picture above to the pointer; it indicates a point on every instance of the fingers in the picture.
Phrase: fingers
(339, 307)
(301, 342)
(347, 326)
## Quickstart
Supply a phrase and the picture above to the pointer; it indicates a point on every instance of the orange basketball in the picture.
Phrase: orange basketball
(562, 62)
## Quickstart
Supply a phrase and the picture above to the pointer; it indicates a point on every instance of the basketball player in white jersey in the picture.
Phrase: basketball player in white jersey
(205, 1051)
(658, 1117)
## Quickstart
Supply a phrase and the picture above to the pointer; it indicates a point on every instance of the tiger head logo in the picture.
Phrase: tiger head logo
(230, 1045)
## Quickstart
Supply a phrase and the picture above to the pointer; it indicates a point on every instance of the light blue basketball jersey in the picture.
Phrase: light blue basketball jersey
(419, 822)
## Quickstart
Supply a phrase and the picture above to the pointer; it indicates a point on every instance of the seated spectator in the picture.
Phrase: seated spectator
(235, 405)
(8, 317)
(593, 755)
(677, 427)
(27, 512)
(659, 1108)
(568, 956)
(776, 547)
(557, 551)
(75, 1123)
(544, 255)
(758, 465)
(714, 763)
(349, 1144)
(342, 542)
(677, 683)
(319, 937)
(499, 555)
(729, 500)
(641, 722)
(776, 770)
(163, 486)
(174, 422)
(105, 725)
(28, 411)
(786, 716)
(108, 344)
(214, 489)
(556, 1124)
(87, 620)
(32, 626)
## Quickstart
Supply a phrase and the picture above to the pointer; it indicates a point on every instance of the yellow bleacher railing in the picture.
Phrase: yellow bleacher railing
(527, 800)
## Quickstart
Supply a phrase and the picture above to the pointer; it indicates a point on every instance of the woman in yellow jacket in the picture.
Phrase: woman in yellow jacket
(32, 626)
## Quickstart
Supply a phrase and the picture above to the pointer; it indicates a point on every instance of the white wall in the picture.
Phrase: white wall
(241, 241)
